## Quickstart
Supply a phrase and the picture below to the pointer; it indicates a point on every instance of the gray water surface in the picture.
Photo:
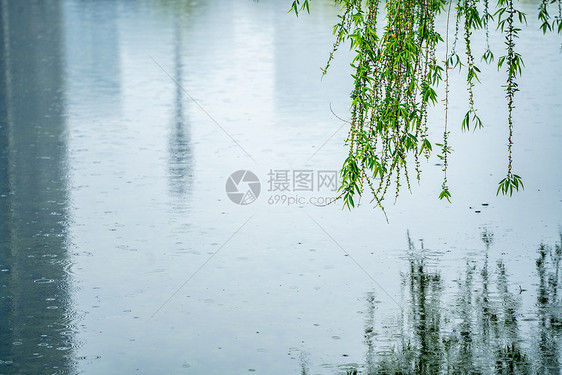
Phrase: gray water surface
(121, 253)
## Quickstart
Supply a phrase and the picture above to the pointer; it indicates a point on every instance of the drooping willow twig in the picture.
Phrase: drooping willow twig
(445, 145)
(514, 63)
(396, 75)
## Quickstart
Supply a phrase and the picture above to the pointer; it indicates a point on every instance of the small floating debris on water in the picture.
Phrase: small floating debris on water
(44, 281)
(485, 204)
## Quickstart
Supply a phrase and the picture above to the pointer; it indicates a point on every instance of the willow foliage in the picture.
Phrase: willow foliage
(396, 73)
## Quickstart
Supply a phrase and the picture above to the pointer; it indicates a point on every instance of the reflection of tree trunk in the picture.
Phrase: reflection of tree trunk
(486, 313)
(369, 333)
(466, 358)
(509, 354)
(549, 309)
(424, 315)
(425, 312)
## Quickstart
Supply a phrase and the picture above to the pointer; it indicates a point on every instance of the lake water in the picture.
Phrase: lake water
(121, 252)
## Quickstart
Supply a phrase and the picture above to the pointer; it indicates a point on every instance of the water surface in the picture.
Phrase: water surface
(121, 252)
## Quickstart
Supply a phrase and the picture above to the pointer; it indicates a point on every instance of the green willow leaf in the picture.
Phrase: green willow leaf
(397, 73)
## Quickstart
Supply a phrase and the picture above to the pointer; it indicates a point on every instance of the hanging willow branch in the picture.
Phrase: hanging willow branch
(514, 63)
(396, 75)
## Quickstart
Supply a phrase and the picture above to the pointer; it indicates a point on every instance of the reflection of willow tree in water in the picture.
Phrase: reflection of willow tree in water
(425, 297)
(486, 339)
(479, 333)
(549, 308)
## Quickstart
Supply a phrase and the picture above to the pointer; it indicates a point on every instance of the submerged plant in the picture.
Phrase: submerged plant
(396, 74)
